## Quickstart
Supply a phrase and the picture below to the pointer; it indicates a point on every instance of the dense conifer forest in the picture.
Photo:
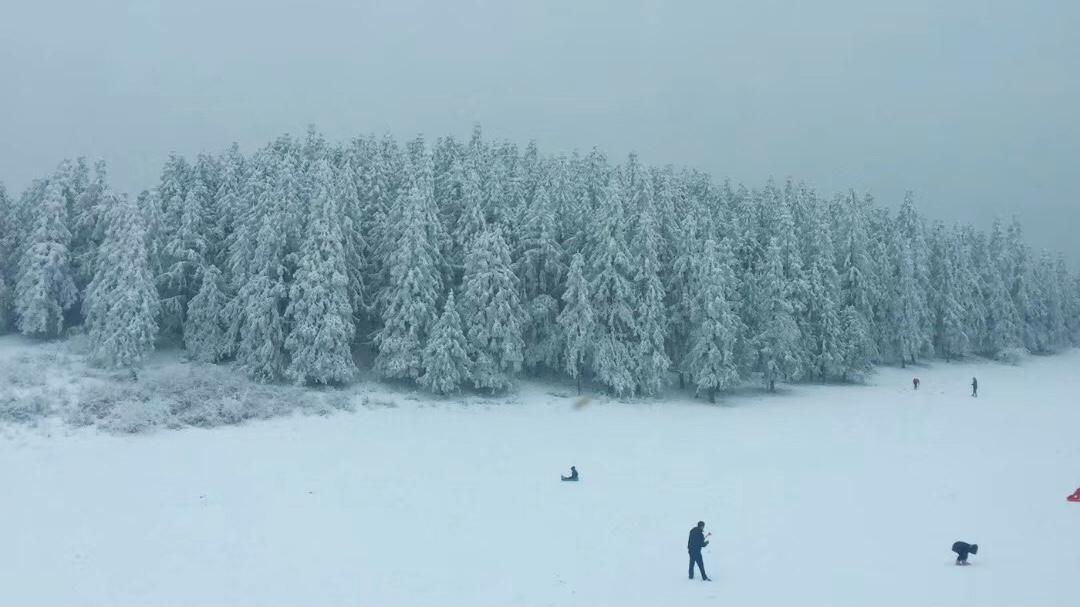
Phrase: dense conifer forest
(463, 265)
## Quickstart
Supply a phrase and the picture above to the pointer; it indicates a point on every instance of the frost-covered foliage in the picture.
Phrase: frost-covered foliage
(53, 379)
(288, 261)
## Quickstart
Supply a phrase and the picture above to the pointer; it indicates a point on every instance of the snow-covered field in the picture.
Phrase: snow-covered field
(820, 495)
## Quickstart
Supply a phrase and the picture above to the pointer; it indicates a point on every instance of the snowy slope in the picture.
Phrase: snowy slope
(821, 495)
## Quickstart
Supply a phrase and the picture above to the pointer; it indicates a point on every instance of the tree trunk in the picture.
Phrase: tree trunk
(579, 384)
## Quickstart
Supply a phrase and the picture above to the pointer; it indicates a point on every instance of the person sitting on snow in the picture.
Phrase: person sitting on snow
(573, 475)
(962, 549)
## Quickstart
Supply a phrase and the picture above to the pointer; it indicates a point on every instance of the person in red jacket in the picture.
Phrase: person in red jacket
(694, 545)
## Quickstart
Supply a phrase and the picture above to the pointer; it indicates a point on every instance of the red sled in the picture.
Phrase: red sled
(1075, 497)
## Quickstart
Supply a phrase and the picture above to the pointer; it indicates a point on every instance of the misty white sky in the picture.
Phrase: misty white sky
(971, 103)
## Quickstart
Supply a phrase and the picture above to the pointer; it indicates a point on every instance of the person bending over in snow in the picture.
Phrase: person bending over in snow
(962, 549)
(694, 545)
(974, 387)
(573, 475)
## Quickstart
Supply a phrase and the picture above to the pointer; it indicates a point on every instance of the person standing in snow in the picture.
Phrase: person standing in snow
(915, 382)
(974, 387)
(694, 545)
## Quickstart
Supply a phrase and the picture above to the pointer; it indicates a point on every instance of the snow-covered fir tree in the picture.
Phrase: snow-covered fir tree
(446, 358)
(46, 285)
(540, 268)
(87, 223)
(492, 313)
(576, 322)
(651, 362)
(820, 322)
(778, 341)
(121, 304)
(409, 298)
(320, 313)
(951, 337)
(711, 362)
(611, 271)
(258, 260)
(7, 254)
(206, 324)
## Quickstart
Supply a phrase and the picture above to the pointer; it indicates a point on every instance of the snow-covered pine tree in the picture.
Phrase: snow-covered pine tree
(504, 195)
(7, 254)
(409, 298)
(168, 243)
(1004, 330)
(912, 227)
(651, 362)
(855, 266)
(613, 294)
(859, 349)
(5, 305)
(121, 304)
(820, 322)
(905, 322)
(711, 363)
(46, 286)
(1064, 284)
(687, 230)
(883, 282)
(1018, 275)
(257, 262)
(576, 322)
(472, 220)
(355, 236)
(206, 325)
(540, 267)
(570, 198)
(228, 202)
(777, 342)
(969, 289)
(446, 357)
(748, 247)
(88, 229)
(186, 251)
(319, 313)
(492, 312)
(946, 307)
(1072, 308)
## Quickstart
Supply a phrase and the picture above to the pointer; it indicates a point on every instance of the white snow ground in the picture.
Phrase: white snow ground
(821, 495)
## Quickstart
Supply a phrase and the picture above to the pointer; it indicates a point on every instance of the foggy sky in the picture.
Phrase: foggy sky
(970, 103)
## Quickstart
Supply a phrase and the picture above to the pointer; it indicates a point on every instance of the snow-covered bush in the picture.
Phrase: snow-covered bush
(24, 409)
(1011, 356)
(132, 416)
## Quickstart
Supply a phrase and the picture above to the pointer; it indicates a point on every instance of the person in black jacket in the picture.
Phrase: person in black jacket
(974, 387)
(962, 549)
(694, 545)
(573, 475)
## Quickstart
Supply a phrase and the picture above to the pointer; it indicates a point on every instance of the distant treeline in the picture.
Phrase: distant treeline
(463, 264)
